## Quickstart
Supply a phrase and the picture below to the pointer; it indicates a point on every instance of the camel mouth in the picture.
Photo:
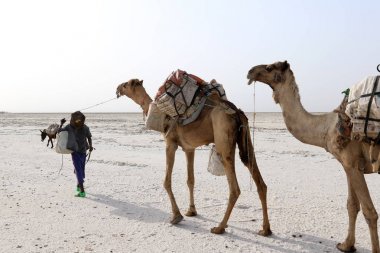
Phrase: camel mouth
(118, 91)
(254, 80)
(256, 77)
(250, 81)
(253, 75)
(251, 78)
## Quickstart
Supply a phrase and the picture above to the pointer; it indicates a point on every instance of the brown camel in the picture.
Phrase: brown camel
(214, 125)
(322, 131)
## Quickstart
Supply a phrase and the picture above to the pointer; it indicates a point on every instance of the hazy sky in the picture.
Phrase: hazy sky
(62, 56)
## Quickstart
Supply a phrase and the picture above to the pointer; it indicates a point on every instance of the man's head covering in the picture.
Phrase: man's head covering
(77, 119)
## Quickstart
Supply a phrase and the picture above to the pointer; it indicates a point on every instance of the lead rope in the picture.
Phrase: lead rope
(254, 113)
(253, 128)
(98, 104)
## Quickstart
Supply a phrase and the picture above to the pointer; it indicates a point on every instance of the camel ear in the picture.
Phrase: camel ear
(141, 82)
(41, 131)
(285, 66)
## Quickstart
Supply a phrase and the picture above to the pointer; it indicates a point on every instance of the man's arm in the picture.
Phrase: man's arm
(90, 143)
(62, 122)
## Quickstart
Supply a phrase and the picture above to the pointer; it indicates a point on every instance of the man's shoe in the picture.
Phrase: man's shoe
(81, 194)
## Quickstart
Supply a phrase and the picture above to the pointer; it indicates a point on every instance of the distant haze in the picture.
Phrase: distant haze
(62, 56)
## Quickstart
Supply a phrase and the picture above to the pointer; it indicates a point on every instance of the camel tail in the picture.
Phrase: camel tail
(244, 140)
(243, 137)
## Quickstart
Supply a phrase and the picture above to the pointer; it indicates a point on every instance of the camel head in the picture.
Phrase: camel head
(130, 88)
(277, 75)
(135, 91)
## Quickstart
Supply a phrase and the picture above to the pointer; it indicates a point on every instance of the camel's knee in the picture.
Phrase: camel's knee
(190, 183)
(370, 215)
(235, 193)
(262, 188)
(167, 184)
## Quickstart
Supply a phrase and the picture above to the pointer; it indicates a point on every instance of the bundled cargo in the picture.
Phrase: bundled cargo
(364, 107)
(183, 96)
(178, 94)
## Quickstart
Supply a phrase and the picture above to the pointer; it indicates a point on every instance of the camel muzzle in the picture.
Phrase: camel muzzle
(254, 73)
(118, 93)
(251, 77)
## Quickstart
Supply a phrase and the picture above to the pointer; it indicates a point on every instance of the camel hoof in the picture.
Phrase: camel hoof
(266, 232)
(191, 213)
(176, 219)
(342, 248)
(218, 230)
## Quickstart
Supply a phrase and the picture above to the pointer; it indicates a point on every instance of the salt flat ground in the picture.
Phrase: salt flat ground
(127, 208)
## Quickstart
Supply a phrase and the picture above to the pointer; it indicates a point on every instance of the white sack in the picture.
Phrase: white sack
(215, 165)
(61, 146)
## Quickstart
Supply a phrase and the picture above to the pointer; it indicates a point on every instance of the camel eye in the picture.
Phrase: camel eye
(269, 68)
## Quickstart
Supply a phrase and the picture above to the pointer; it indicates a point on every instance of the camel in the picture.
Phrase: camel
(322, 131)
(214, 125)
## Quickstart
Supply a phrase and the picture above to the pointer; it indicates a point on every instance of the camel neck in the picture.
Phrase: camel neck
(306, 127)
(144, 100)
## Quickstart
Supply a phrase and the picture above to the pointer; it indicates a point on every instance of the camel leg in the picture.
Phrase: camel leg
(356, 177)
(228, 162)
(262, 191)
(353, 207)
(190, 182)
(170, 154)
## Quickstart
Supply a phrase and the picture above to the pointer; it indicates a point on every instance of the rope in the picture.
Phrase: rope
(59, 172)
(254, 114)
(253, 128)
(98, 104)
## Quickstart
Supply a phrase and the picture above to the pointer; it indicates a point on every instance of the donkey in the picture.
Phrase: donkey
(51, 132)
